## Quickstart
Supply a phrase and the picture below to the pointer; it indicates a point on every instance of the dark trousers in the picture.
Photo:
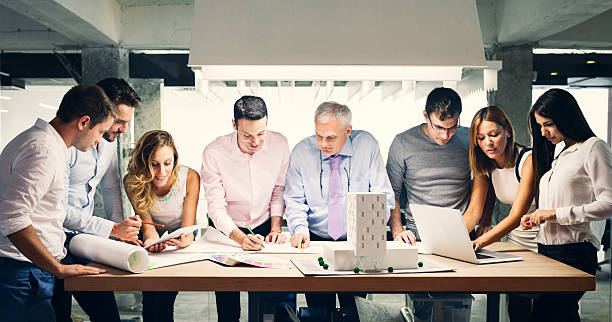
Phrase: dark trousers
(564, 306)
(228, 303)
(25, 292)
(328, 299)
(99, 306)
(519, 307)
(158, 306)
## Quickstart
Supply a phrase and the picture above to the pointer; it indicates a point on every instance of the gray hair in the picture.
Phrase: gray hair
(327, 110)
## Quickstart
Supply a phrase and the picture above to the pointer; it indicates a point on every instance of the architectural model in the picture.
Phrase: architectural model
(367, 247)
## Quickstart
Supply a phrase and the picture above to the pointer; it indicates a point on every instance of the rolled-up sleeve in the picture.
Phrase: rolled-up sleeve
(276, 201)
(212, 182)
(295, 198)
(31, 176)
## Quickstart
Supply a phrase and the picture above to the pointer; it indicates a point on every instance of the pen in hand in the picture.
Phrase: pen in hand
(152, 223)
(252, 233)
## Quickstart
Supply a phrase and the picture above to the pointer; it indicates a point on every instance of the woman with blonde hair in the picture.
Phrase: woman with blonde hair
(497, 161)
(164, 192)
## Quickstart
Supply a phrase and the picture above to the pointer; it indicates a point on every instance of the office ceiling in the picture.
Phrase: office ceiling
(36, 25)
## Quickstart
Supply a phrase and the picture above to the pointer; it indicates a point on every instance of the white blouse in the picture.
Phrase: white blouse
(579, 187)
(506, 186)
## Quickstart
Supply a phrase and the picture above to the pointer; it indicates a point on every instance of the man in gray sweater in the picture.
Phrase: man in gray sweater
(431, 162)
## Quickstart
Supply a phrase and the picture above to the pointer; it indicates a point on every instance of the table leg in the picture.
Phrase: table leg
(492, 307)
(257, 300)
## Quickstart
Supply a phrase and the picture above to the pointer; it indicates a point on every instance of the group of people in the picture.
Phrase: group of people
(49, 174)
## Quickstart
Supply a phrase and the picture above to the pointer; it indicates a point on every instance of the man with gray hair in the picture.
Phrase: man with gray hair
(243, 175)
(322, 169)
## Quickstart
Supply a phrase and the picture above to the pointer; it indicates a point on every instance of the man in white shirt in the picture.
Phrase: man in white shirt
(32, 187)
(98, 165)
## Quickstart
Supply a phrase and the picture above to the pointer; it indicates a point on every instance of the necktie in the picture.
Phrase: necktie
(335, 225)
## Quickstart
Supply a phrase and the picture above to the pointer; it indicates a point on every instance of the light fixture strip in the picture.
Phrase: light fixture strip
(330, 72)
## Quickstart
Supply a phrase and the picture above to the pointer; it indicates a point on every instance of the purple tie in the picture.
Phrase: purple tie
(335, 226)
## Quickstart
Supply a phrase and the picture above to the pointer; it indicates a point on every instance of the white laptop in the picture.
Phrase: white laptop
(443, 232)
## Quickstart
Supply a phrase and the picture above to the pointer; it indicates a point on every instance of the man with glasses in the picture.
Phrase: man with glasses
(322, 169)
(430, 161)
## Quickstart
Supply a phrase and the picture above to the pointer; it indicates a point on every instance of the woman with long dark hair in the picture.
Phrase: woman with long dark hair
(572, 189)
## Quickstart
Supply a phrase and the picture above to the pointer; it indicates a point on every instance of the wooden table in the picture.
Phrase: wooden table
(536, 273)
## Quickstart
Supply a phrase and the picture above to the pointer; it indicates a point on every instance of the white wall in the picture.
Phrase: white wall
(291, 113)
(24, 106)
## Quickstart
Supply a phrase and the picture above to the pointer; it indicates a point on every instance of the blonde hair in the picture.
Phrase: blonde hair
(138, 181)
(480, 163)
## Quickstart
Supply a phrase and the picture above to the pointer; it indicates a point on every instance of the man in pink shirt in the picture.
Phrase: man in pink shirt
(244, 181)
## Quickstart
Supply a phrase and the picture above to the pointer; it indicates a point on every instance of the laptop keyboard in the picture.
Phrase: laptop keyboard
(482, 256)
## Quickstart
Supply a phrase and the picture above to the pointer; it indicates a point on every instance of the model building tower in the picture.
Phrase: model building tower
(366, 223)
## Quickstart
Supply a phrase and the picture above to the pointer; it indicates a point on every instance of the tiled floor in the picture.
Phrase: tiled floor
(200, 306)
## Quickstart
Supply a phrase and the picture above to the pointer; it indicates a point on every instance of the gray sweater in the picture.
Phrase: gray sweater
(432, 174)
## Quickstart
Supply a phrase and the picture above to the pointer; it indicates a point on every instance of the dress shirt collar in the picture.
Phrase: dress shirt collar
(571, 149)
(236, 149)
(45, 126)
(347, 150)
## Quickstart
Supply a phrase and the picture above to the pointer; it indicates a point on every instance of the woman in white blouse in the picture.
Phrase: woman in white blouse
(574, 188)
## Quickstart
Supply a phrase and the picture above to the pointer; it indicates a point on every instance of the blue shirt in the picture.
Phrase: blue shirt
(86, 170)
(306, 191)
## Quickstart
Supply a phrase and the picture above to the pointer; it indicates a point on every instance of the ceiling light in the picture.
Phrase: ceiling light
(554, 74)
(330, 72)
(6, 98)
(320, 40)
(590, 62)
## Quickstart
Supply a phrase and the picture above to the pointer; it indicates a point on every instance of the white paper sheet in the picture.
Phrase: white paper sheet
(175, 234)
(114, 253)
(169, 258)
(214, 241)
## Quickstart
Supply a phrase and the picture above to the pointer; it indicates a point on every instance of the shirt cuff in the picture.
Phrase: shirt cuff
(226, 227)
(563, 216)
(276, 210)
(106, 227)
(302, 230)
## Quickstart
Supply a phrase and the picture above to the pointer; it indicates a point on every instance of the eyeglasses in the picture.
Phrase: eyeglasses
(347, 171)
(442, 129)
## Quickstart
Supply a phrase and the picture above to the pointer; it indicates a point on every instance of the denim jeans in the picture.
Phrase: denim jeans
(26, 292)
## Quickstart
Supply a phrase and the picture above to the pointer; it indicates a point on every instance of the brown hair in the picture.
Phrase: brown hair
(139, 179)
(479, 162)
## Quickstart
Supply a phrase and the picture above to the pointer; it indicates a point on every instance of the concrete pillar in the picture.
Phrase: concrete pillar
(148, 116)
(102, 62)
(513, 95)
(99, 63)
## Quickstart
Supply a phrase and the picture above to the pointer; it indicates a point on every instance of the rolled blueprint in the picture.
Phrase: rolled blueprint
(110, 252)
